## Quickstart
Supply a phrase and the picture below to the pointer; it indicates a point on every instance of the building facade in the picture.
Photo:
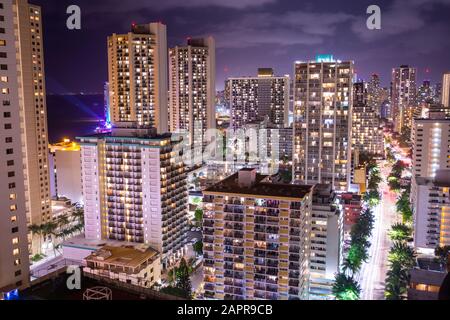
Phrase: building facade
(14, 250)
(256, 239)
(323, 122)
(430, 202)
(326, 248)
(65, 158)
(135, 189)
(253, 99)
(137, 68)
(366, 130)
(375, 94)
(430, 145)
(445, 90)
(192, 70)
(403, 97)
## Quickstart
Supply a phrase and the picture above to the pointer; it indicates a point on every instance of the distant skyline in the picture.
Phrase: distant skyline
(251, 34)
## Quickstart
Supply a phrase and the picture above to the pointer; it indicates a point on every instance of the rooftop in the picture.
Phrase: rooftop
(129, 129)
(429, 263)
(260, 187)
(123, 256)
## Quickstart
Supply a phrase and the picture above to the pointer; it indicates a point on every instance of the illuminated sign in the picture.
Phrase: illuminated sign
(325, 58)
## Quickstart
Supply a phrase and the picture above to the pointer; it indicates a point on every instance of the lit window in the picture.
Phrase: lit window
(15, 240)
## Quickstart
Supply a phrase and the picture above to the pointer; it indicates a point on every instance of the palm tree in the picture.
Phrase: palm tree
(78, 215)
(36, 229)
(346, 288)
(443, 253)
(349, 267)
(396, 282)
(403, 254)
(399, 232)
(49, 229)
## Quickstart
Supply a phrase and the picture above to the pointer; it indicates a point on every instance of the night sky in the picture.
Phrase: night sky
(251, 34)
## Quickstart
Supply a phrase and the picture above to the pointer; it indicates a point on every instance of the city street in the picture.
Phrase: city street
(373, 272)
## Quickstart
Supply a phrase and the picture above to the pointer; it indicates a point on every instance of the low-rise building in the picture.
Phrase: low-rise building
(352, 207)
(138, 265)
(426, 279)
(65, 170)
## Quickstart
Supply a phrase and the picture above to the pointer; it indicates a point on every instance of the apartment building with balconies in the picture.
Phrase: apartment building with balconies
(430, 201)
(192, 70)
(326, 248)
(323, 98)
(256, 238)
(135, 189)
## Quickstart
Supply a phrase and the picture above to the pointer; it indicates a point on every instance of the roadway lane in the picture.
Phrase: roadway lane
(373, 273)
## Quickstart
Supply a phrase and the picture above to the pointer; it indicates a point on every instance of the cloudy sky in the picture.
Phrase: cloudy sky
(253, 33)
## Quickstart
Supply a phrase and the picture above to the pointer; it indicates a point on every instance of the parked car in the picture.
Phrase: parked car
(193, 229)
(194, 240)
(198, 229)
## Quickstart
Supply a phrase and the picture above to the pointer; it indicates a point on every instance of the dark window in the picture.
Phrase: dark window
(2, 30)
(3, 55)
(10, 163)
(12, 185)
(7, 114)
(3, 67)
(9, 151)
(18, 273)
(6, 102)
(11, 174)
(8, 139)
(15, 230)
(8, 126)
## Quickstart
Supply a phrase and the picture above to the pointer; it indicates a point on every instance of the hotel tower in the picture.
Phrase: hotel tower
(25, 185)
(192, 70)
(137, 67)
(323, 122)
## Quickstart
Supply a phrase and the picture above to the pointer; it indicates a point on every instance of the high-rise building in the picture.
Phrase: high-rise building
(135, 189)
(375, 94)
(403, 97)
(430, 145)
(323, 122)
(192, 70)
(425, 94)
(253, 99)
(137, 67)
(430, 203)
(33, 108)
(326, 248)
(366, 131)
(24, 186)
(445, 100)
(256, 238)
